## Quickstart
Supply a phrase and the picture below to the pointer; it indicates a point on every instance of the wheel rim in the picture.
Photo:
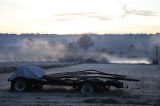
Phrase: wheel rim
(20, 85)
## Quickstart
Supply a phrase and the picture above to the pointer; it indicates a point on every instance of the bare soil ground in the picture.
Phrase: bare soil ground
(143, 93)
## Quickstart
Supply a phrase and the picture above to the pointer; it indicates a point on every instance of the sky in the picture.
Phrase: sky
(79, 16)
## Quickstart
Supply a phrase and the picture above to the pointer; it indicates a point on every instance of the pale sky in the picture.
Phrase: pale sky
(79, 16)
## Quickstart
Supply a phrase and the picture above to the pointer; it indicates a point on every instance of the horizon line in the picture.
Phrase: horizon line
(81, 33)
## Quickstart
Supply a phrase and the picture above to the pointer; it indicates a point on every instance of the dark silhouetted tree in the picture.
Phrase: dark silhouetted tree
(131, 48)
(71, 47)
(85, 42)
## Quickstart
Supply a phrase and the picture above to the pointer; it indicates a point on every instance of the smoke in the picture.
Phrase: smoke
(155, 40)
(38, 49)
(118, 59)
(34, 50)
(105, 49)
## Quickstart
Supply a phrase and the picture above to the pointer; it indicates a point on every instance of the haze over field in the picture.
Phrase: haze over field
(101, 48)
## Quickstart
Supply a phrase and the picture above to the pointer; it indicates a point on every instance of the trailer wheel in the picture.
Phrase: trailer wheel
(19, 85)
(86, 89)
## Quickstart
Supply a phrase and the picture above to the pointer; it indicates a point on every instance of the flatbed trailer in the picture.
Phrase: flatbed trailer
(86, 81)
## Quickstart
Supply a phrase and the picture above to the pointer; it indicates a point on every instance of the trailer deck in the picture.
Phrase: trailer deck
(86, 74)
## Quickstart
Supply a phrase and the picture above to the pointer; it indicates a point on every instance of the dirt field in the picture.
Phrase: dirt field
(143, 93)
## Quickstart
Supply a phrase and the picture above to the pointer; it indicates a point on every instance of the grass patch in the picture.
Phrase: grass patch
(68, 96)
(41, 105)
(89, 100)
(133, 97)
(137, 103)
(104, 101)
(109, 101)
(117, 92)
(38, 97)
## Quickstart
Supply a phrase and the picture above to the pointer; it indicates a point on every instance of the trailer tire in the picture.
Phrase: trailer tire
(86, 89)
(19, 85)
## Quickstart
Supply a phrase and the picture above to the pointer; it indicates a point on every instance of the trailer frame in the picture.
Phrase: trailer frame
(86, 81)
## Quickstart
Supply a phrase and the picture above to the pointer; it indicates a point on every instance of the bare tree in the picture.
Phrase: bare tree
(85, 42)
